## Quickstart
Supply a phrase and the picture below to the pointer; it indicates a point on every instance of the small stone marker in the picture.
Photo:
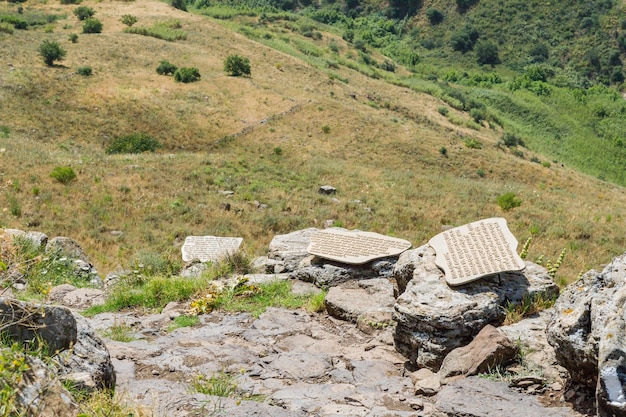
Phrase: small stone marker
(209, 248)
(354, 247)
(475, 250)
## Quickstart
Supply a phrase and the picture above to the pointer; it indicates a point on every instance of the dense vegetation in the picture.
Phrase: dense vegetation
(549, 72)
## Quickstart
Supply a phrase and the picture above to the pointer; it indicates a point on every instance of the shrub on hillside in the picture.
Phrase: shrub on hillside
(84, 12)
(73, 37)
(92, 25)
(63, 174)
(166, 68)
(71, 1)
(6, 28)
(487, 53)
(179, 4)
(84, 71)
(464, 5)
(51, 51)
(464, 40)
(134, 143)
(128, 20)
(508, 201)
(236, 65)
(187, 75)
(17, 22)
(435, 16)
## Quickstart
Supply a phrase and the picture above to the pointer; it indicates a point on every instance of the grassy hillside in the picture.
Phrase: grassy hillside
(403, 151)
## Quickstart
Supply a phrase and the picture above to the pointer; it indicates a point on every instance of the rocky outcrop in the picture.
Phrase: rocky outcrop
(588, 332)
(434, 318)
(369, 302)
(38, 392)
(479, 397)
(68, 337)
(289, 250)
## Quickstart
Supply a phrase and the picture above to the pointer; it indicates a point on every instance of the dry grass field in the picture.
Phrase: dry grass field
(273, 139)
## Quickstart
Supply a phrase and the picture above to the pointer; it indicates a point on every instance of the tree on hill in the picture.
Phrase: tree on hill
(487, 53)
(236, 65)
(51, 51)
(464, 40)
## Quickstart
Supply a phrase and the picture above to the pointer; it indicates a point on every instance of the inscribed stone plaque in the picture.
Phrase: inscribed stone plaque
(477, 249)
(209, 248)
(354, 247)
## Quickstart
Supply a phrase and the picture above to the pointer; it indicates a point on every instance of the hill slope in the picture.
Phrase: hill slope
(401, 164)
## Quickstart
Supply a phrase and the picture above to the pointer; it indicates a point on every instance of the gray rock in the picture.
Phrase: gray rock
(327, 189)
(290, 249)
(81, 298)
(531, 336)
(89, 354)
(588, 332)
(57, 293)
(426, 382)
(38, 239)
(40, 393)
(353, 299)
(434, 318)
(64, 246)
(325, 273)
(489, 349)
(479, 397)
(194, 270)
(27, 321)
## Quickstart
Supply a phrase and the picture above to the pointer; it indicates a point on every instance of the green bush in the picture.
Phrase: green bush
(508, 201)
(487, 53)
(134, 143)
(71, 1)
(84, 12)
(63, 174)
(84, 71)
(434, 16)
(510, 140)
(444, 111)
(92, 25)
(166, 68)
(179, 4)
(51, 51)
(6, 28)
(17, 22)
(187, 75)
(128, 20)
(464, 40)
(73, 37)
(236, 65)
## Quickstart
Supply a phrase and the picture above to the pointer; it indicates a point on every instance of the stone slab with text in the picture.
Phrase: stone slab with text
(209, 248)
(354, 247)
(475, 250)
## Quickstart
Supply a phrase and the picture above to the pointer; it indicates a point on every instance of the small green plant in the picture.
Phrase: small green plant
(14, 206)
(183, 321)
(179, 4)
(73, 37)
(278, 151)
(237, 65)
(531, 304)
(434, 16)
(553, 268)
(119, 333)
(133, 143)
(187, 75)
(325, 129)
(71, 1)
(6, 28)
(508, 201)
(220, 384)
(443, 110)
(443, 151)
(84, 71)
(166, 68)
(128, 20)
(480, 172)
(63, 174)
(51, 51)
(84, 12)
(473, 143)
(92, 25)
(5, 132)
(524, 253)
(13, 366)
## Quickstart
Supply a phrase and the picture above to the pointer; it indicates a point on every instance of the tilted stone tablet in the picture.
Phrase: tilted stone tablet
(475, 250)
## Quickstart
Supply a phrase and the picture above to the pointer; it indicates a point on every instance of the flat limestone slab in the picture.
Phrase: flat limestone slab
(354, 247)
(470, 252)
(209, 248)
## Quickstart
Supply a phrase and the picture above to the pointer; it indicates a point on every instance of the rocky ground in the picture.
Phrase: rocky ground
(294, 363)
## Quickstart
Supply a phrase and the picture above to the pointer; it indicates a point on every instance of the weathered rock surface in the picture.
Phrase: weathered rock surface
(478, 397)
(290, 249)
(489, 349)
(303, 364)
(40, 393)
(38, 239)
(434, 318)
(78, 298)
(27, 321)
(325, 273)
(531, 336)
(353, 299)
(588, 332)
(64, 246)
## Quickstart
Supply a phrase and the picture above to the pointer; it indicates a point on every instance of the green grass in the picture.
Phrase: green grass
(168, 31)
(119, 333)
(183, 321)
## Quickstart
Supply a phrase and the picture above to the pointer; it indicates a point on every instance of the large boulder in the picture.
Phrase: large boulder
(434, 318)
(588, 332)
(77, 349)
(325, 273)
